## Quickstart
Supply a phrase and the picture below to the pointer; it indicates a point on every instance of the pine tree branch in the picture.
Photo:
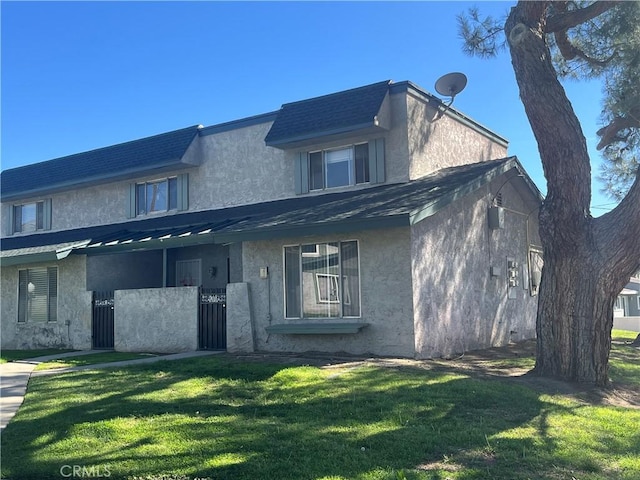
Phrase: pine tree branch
(611, 132)
(618, 232)
(569, 51)
(558, 132)
(571, 18)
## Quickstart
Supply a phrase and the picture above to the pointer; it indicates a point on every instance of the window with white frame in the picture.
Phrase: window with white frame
(536, 262)
(38, 295)
(322, 280)
(30, 217)
(157, 196)
(339, 167)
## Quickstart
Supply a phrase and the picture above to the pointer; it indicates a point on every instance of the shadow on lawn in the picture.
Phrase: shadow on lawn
(249, 421)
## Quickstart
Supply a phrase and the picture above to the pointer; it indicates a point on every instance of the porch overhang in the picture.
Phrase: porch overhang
(376, 207)
(142, 241)
(43, 254)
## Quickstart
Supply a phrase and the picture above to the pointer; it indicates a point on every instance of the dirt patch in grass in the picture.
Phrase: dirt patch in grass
(512, 362)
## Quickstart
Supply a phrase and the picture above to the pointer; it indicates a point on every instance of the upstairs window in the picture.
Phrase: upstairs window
(340, 167)
(30, 217)
(163, 195)
(159, 196)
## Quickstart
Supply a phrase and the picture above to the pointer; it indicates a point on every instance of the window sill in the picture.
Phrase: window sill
(316, 328)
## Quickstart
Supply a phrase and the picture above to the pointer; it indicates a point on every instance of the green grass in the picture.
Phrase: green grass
(623, 335)
(222, 418)
(92, 359)
(624, 361)
(14, 355)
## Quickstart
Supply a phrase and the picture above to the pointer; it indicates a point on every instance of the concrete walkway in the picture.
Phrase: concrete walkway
(14, 376)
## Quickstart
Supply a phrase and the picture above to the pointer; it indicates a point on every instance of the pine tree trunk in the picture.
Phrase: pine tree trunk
(587, 261)
(575, 317)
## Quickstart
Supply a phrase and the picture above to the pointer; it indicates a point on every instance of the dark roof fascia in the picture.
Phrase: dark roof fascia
(240, 123)
(164, 167)
(527, 179)
(309, 135)
(107, 176)
(323, 228)
(41, 257)
(410, 87)
(265, 221)
(425, 211)
(327, 136)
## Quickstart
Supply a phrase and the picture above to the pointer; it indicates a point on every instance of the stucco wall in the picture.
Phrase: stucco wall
(99, 204)
(459, 306)
(445, 142)
(239, 169)
(156, 320)
(240, 331)
(73, 327)
(627, 323)
(385, 288)
(236, 167)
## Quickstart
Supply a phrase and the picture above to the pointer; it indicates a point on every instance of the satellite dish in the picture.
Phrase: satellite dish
(451, 84)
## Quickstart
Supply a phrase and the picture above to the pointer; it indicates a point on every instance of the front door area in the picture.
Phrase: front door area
(212, 319)
(102, 320)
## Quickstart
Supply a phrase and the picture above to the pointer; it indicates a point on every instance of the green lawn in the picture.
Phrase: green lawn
(223, 418)
(13, 355)
(94, 358)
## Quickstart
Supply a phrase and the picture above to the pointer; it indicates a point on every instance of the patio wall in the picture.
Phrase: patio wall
(627, 323)
(156, 320)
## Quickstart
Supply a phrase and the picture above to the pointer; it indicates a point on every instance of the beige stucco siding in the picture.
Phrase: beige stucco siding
(73, 327)
(235, 167)
(459, 305)
(156, 320)
(238, 168)
(436, 143)
(385, 289)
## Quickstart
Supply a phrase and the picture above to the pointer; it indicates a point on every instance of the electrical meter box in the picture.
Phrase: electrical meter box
(496, 218)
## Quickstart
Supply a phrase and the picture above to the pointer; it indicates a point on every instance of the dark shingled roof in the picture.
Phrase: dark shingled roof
(103, 164)
(335, 113)
(376, 207)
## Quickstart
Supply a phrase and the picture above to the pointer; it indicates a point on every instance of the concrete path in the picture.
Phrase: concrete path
(14, 376)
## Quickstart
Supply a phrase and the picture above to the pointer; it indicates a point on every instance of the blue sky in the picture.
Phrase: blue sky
(83, 75)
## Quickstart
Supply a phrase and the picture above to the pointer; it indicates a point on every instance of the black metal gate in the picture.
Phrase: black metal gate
(102, 320)
(212, 319)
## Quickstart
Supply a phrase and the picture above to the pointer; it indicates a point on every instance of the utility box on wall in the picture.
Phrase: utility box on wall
(513, 277)
(496, 218)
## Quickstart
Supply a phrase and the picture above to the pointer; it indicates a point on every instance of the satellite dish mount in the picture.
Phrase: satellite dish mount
(450, 85)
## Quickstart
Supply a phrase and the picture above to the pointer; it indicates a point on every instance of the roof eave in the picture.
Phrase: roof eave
(419, 214)
(326, 136)
(162, 167)
(320, 228)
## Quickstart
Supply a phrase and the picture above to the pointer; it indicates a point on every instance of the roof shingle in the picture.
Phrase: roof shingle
(328, 114)
(108, 163)
(385, 205)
